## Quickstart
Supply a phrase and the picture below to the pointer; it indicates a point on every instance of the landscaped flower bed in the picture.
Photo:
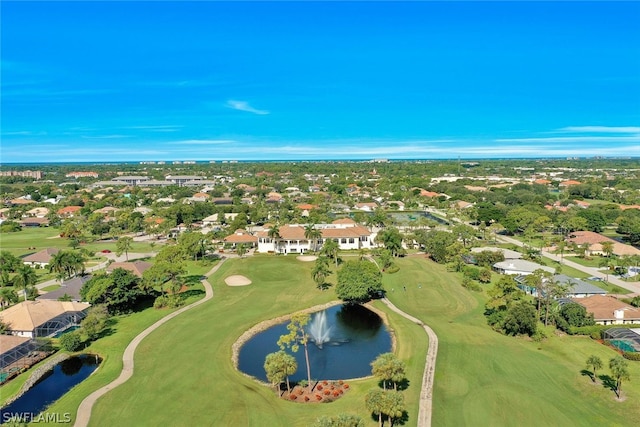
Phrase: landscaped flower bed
(324, 391)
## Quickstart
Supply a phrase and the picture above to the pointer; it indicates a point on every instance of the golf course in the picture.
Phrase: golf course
(184, 373)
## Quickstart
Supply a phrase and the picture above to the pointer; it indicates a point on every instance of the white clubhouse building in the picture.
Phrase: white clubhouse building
(345, 232)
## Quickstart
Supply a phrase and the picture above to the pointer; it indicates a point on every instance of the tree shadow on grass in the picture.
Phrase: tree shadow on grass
(401, 385)
(193, 280)
(191, 293)
(608, 382)
(587, 373)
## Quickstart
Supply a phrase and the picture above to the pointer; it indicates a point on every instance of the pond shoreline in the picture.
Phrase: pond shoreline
(266, 324)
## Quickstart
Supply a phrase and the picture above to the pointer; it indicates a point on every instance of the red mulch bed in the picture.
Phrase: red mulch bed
(321, 392)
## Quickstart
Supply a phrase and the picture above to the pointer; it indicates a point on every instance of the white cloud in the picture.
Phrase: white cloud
(107, 136)
(244, 106)
(601, 129)
(573, 139)
(202, 142)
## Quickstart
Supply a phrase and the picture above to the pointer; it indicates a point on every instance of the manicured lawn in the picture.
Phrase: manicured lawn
(196, 372)
(48, 237)
(484, 378)
(184, 374)
(111, 347)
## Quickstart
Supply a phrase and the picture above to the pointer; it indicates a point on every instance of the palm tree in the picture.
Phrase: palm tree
(596, 363)
(620, 371)
(25, 277)
(241, 249)
(274, 233)
(67, 264)
(320, 272)
(312, 234)
(330, 249)
(8, 296)
(124, 246)
(607, 249)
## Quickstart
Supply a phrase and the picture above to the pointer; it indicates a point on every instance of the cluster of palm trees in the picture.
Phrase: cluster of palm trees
(67, 264)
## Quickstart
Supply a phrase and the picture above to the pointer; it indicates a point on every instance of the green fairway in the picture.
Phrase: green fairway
(195, 370)
(484, 378)
(49, 237)
(184, 374)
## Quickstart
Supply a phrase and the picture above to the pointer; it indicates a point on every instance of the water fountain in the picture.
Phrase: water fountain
(347, 337)
(319, 331)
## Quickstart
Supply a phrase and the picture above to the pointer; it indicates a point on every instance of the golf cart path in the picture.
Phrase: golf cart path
(426, 392)
(84, 410)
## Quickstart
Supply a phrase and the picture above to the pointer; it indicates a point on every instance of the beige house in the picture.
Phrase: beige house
(42, 318)
(609, 311)
(42, 258)
(595, 241)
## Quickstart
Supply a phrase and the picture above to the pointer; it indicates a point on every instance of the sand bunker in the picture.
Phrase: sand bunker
(307, 258)
(237, 280)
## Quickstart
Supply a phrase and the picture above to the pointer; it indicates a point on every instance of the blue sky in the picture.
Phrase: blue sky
(127, 81)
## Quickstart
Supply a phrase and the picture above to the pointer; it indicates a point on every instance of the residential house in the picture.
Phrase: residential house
(37, 213)
(609, 311)
(41, 258)
(69, 288)
(34, 222)
(136, 267)
(576, 288)
(519, 267)
(366, 206)
(69, 211)
(42, 318)
(595, 240)
(241, 237)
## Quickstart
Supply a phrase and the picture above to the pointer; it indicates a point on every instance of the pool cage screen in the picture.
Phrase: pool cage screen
(624, 338)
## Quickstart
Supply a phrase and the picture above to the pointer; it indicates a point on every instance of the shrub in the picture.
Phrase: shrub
(293, 397)
(631, 356)
(306, 398)
(71, 341)
(318, 397)
(393, 269)
(319, 387)
(326, 392)
(589, 330)
(346, 386)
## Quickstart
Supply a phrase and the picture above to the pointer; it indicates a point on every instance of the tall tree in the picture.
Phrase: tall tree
(320, 272)
(312, 234)
(67, 263)
(279, 366)
(607, 248)
(123, 245)
(374, 400)
(358, 281)
(391, 239)
(330, 248)
(274, 234)
(24, 278)
(388, 368)
(298, 335)
(595, 363)
(620, 371)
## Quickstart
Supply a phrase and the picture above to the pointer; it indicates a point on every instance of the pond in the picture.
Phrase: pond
(53, 385)
(345, 339)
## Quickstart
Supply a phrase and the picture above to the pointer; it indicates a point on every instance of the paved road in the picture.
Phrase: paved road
(426, 393)
(109, 256)
(592, 271)
(84, 410)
